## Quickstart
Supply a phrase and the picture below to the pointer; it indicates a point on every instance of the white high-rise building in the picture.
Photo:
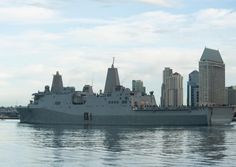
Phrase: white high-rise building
(211, 78)
(175, 90)
(172, 89)
(166, 74)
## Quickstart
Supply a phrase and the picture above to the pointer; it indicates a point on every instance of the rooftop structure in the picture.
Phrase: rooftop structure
(211, 55)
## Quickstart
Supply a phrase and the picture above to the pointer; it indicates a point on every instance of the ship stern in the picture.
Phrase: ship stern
(221, 115)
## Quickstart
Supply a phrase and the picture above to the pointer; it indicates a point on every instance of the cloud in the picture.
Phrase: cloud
(145, 28)
(143, 45)
(217, 18)
(162, 3)
(37, 3)
(158, 28)
(165, 3)
(25, 14)
(4, 75)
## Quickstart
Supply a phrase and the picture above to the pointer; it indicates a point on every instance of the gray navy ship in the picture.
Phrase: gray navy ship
(117, 105)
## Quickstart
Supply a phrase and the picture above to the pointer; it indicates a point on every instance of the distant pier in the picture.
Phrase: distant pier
(8, 113)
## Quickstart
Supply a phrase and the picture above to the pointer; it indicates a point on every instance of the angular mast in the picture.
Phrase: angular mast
(112, 79)
(57, 84)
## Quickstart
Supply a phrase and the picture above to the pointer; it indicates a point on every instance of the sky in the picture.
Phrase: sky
(79, 38)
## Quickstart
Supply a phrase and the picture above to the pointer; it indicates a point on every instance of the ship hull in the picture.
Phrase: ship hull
(196, 117)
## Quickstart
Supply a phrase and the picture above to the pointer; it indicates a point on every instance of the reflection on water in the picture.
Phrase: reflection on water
(172, 142)
(211, 145)
(46, 145)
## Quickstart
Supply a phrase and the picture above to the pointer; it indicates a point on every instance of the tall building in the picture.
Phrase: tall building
(137, 86)
(193, 89)
(166, 74)
(172, 89)
(211, 78)
(175, 90)
(230, 98)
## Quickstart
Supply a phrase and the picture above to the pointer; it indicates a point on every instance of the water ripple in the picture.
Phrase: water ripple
(57, 146)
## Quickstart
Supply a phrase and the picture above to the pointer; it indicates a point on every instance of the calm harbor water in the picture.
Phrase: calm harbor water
(58, 146)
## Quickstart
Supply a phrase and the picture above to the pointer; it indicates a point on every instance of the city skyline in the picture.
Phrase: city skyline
(79, 39)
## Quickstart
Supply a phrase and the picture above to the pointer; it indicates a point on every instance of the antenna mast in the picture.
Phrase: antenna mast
(113, 62)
